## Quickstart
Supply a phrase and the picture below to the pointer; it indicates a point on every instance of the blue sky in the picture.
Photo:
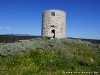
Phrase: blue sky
(25, 16)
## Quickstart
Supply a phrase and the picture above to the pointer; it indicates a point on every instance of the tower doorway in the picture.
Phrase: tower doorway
(53, 31)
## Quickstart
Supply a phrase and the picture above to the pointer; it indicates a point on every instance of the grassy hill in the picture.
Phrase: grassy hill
(94, 41)
(42, 56)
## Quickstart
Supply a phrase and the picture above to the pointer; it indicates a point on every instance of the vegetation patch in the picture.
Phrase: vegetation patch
(42, 56)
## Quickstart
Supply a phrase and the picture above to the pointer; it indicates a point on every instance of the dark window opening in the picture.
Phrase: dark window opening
(52, 26)
(53, 13)
(53, 31)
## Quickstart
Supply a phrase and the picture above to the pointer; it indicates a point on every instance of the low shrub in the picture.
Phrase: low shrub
(10, 49)
(44, 44)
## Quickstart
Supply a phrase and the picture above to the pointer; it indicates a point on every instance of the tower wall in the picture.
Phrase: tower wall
(54, 24)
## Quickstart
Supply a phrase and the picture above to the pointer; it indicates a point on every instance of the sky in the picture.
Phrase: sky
(25, 16)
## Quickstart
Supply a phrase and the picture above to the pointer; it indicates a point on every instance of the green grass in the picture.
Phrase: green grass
(77, 58)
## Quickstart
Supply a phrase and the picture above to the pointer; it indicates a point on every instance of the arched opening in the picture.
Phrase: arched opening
(53, 31)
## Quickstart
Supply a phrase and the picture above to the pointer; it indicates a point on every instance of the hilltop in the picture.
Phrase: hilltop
(44, 56)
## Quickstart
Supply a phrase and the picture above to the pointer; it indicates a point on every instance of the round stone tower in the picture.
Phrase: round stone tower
(54, 24)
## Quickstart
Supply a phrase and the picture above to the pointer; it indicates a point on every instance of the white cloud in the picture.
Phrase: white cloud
(1, 27)
(5, 28)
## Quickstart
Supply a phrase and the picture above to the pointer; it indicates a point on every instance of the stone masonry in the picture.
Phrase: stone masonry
(54, 24)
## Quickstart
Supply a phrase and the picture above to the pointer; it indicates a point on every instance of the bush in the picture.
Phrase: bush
(83, 62)
(56, 44)
(10, 49)
(44, 44)
(28, 72)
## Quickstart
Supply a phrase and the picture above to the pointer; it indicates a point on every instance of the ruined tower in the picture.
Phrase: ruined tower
(54, 24)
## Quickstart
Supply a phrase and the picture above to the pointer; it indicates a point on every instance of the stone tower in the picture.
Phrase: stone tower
(54, 24)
